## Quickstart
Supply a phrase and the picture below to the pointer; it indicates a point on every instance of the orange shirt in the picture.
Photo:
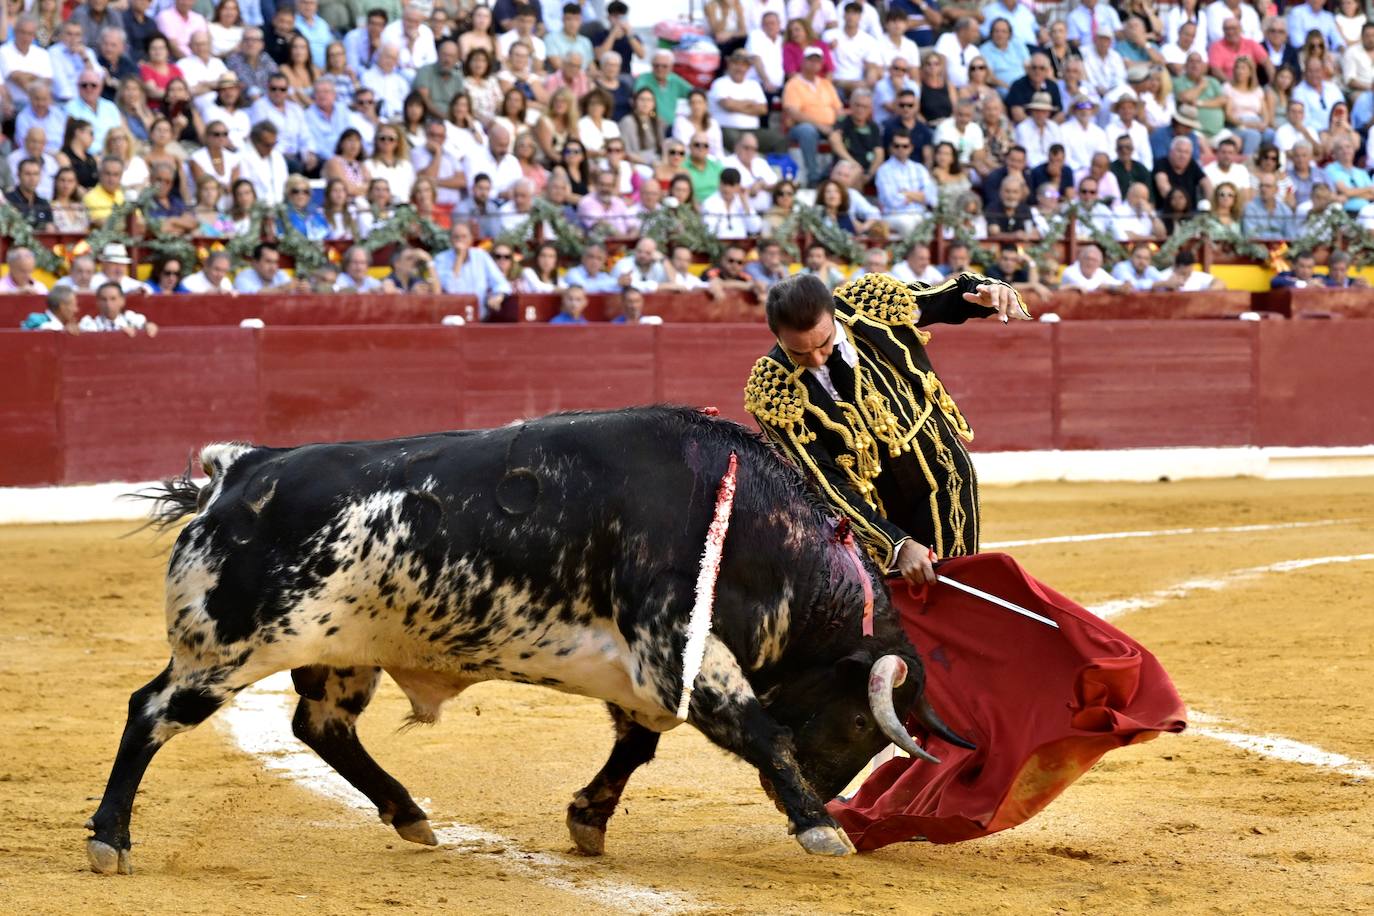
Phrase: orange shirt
(817, 102)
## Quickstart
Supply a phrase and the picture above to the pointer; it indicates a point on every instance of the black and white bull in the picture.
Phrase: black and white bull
(562, 552)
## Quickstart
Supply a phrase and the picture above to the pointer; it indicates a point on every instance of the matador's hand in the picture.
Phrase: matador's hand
(1000, 297)
(914, 563)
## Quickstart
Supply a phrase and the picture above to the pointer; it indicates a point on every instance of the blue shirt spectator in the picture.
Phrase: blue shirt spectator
(102, 113)
(899, 175)
(1307, 18)
(478, 274)
(1018, 16)
(591, 274)
(324, 129)
(315, 30)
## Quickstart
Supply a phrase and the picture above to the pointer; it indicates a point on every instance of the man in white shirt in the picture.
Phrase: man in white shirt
(111, 315)
(262, 164)
(1082, 138)
(644, 269)
(1176, 53)
(202, 70)
(523, 30)
(362, 44)
(1221, 10)
(387, 82)
(756, 176)
(1186, 278)
(1134, 218)
(432, 160)
(1126, 121)
(1136, 271)
(683, 277)
(496, 161)
(1103, 64)
(293, 139)
(737, 103)
(1021, 18)
(916, 267)
(68, 57)
(1357, 63)
(1086, 273)
(755, 10)
(764, 48)
(1037, 133)
(962, 132)
(894, 43)
(1227, 167)
(22, 61)
(824, 15)
(727, 213)
(413, 40)
(1317, 93)
(858, 56)
(213, 277)
(959, 47)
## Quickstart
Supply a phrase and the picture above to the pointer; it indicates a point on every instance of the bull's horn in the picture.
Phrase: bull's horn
(925, 714)
(885, 676)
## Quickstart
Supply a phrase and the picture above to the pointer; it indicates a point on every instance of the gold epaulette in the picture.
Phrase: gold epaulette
(880, 298)
(776, 396)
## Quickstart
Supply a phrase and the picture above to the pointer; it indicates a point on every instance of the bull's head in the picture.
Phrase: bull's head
(841, 715)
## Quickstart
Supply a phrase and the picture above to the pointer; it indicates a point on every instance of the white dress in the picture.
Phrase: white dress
(201, 157)
(399, 177)
(594, 136)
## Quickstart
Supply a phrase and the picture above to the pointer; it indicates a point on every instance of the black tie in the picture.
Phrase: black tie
(841, 375)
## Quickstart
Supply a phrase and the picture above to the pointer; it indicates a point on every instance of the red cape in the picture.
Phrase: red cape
(1043, 705)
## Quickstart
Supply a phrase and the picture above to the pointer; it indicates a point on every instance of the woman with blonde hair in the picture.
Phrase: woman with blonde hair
(391, 161)
(558, 125)
(1314, 48)
(698, 120)
(1226, 205)
(49, 16)
(120, 144)
(425, 199)
(301, 214)
(799, 35)
(1248, 107)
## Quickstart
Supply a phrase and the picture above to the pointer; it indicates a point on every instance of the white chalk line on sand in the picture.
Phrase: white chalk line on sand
(1163, 532)
(1205, 725)
(258, 721)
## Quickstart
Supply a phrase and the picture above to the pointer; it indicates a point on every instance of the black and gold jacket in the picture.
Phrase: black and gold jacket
(890, 453)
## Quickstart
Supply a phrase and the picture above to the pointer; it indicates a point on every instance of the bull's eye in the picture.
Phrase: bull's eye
(860, 723)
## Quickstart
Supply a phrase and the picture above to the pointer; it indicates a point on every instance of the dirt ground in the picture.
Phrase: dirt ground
(1181, 824)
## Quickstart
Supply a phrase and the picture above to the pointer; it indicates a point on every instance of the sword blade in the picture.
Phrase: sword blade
(1000, 602)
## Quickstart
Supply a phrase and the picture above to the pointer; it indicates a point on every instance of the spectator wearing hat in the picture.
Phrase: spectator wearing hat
(1080, 134)
(115, 269)
(1086, 273)
(810, 102)
(111, 314)
(230, 109)
(1125, 122)
(1039, 78)
(1184, 125)
(1038, 132)
(738, 105)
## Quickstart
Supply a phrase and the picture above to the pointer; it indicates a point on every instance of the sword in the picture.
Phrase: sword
(1000, 602)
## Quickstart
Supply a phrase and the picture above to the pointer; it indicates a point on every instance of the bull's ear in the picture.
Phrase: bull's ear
(857, 662)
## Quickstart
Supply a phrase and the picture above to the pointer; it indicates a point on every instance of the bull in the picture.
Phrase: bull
(561, 552)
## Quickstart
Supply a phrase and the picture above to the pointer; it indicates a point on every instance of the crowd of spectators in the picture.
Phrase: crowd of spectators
(998, 114)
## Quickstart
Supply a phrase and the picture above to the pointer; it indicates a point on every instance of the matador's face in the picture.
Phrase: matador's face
(810, 349)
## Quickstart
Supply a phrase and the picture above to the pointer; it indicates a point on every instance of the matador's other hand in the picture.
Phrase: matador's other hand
(1000, 297)
(914, 563)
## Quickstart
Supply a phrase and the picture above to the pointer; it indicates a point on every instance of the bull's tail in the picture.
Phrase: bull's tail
(180, 496)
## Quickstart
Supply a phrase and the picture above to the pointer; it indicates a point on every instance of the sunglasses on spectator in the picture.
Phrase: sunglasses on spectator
(386, 139)
(276, 88)
(977, 67)
(218, 133)
(171, 272)
(786, 192)
(677, 152)
(701, 146)
(734, 260)
(615, 149)
(906, 104)
(572, 151)
(501, 255)
(89, 85)
(299, 191)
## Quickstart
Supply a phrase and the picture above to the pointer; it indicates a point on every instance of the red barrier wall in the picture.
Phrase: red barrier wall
(107, 407)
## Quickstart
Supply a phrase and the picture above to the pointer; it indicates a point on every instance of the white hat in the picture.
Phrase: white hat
(115, 253)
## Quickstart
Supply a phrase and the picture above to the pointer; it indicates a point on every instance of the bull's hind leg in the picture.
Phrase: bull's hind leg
(172, 702)
(593, 806)
(326, 720)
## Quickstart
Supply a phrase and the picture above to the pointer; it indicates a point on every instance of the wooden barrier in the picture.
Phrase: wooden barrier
(1318, 302)
(107, 407)
(224, 309)
(1076, 305)
(734, 306)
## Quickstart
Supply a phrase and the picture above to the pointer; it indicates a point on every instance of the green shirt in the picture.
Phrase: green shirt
(666, 97)
(705, 181)
(441, 88)
(1213, 119)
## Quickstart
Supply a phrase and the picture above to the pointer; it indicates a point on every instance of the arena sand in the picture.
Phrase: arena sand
(1180, 824)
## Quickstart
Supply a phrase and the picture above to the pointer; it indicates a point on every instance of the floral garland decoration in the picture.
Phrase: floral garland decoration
(670, 226)
(1207, 226)
(566, 236)
(14, 227)
(404, 224)
(811, 221)
(1331, 227)
(1085, 231)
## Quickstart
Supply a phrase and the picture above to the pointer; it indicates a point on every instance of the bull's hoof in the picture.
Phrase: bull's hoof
(826, 841)
(590, 839)
(106, 860)
(417, 832)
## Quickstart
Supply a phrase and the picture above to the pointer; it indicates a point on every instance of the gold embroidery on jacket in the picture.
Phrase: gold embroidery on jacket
(954, 490)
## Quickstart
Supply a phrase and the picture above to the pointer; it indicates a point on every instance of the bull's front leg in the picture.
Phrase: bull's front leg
(726, 711)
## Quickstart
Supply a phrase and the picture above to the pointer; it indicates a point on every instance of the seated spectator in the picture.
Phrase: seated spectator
(907, 123)
(966, 136)
(591, 273)
(301, 214)
(89, 106)
(875, 262)
(817, 263)
(1136, 271)
(1134, 218)
(35, 211)
(1020, 270)
(1301, 275)
(1080, 135)
(1351, 183)
(958, 260)
(115, 268)
(1179, 170)
(213, 277)
(108, 192)
(1303, 174)
(1185, 278)
(604, 207)
(770, 266)
(596, 128)
(728, 213)
(211, 221)
(34, 147)
(264, 274)
(643, 269)
(1338, 272)
(1297, 130)
(516, 211)
(916, 267)
(20, 278)
(263, 164)
(1046, 211)
(905, 189)
(1086, 273)
(834, 203)
(851, 180)
(355, 277)
(1266, 218)
(811, 104)
(340, 212)
(111, 314)
(166, 277)
(1038, 132)
(1009, 216)
(1226, 206)
(60, 315)
(410, 269)
(80, 276)
(1228, 167)
(683, 277)
(1015, 164)
(165, 208)
(1125, 169)
(1054, 171)
(729, 275)
(542, 275)
(857, 138)
(465, 270)
(784, 203)
(495, 161)
(632, 309)
(434, 161)
(572, 306)
(739, 105)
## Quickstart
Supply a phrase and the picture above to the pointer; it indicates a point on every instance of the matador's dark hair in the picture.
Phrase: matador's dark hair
(797, 303)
